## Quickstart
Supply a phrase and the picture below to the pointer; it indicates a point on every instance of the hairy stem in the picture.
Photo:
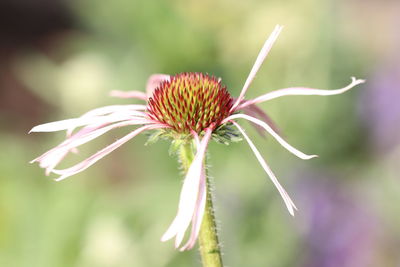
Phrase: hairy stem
(208, 238)
(209, 246)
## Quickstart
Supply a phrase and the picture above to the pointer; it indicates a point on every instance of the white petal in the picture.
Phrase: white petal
(300, 91)
(280, 140)
(198, 214)
(113, 108)
(256, 112)
(84, 120)
(260, 59)
(196, 138)
(52, 157)
(189, 194)
(102, 153)
(289, 203)
(111, 114)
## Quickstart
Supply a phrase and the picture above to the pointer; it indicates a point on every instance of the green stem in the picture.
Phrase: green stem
(208, 239)
(209, 246)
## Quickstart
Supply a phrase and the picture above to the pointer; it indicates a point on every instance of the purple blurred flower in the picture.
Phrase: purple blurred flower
(339, 231)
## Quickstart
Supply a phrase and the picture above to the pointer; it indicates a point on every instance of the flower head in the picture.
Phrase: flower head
(193, 107)
(190, 102)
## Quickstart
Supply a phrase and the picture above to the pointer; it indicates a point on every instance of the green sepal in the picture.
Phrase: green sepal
(226, 134)
(154, 137)
(175, 146)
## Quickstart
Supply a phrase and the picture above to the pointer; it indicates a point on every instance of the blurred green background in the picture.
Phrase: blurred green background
(59, 59)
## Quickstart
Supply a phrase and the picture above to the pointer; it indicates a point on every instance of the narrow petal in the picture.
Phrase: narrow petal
(196, 138)
(115, 113)
(52, 157)
(154, 81)
(280, 140)
(59, 125)
(300, 91)
(113, 108)
(198, 214)
(255, 111)
(288, 201)
(260, 59)
(129, 94)
(102, 153)
(92, 117)
(189, 194)
(89, 133)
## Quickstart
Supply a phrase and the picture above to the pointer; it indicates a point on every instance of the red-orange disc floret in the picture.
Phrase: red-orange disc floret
(190, 101)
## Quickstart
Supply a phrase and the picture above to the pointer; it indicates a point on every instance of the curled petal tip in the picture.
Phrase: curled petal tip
(311, 157)
(357, 81)
(61, 178)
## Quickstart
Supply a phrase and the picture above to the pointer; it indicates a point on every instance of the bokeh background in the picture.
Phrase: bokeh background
(59, 59)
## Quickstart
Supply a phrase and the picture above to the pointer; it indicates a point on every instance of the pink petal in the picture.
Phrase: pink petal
(78, 122)
(112, 114)
(300, 91)
(52, 157)
(254, 111)
(198, 214)
(196, 138)
(280, 140)
(118, 113)
(113, 108)
(154, 81)
(102, 153)
(260, 59)
(288, 201)
(189, 194)
(129, 94)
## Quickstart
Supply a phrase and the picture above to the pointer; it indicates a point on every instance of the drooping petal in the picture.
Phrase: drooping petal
(96, 116)
(198, 214)
(300, 91)
(256, 112)
(196, 138)
(280, 140)
(154, 81)
(114, 111)
(102, 153)
(89, 133)
(129, 94)
(78, 122)
(260, 59)
(288, 201)
(189, 194)
(52, 157)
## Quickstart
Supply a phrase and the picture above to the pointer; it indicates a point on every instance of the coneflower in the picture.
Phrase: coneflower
(190, 109)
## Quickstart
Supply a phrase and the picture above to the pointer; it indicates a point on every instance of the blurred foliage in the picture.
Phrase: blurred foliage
(113, 214)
